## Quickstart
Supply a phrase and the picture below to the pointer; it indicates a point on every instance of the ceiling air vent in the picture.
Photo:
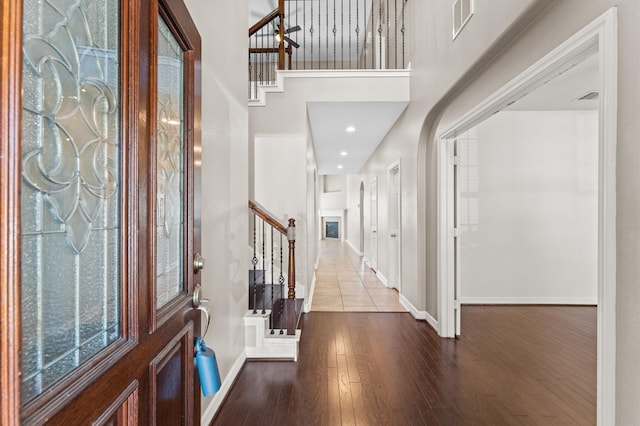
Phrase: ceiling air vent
(589, 96)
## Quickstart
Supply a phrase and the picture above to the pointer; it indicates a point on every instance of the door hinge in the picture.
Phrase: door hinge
(455, 232)
(455, 160)
(456, 305)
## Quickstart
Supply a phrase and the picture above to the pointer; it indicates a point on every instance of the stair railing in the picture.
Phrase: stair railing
(265, 263)
(264, 56)
(327, 35)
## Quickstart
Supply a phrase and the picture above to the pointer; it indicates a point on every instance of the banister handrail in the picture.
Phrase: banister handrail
(262, 213)
(266, 20)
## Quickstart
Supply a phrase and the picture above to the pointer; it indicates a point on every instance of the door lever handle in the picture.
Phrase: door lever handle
(197, 302)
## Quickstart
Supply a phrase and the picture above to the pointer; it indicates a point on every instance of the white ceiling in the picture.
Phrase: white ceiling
(329, 121)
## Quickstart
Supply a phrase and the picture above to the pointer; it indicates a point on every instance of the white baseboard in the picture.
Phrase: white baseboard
(528, 301)
(382, 278)
(431, 321)
(309, 299)
(215, 402)
(358, 252)
(417, 314)
(366, 261)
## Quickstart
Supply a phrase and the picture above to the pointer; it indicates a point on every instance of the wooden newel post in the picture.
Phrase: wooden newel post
(291, 236)
(281, 30)
(290, 316)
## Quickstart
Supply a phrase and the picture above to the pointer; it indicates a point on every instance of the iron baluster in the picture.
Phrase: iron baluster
(335, 32)
(319, 32)
(254, 261)
(311, 37)
(296, 55)
(326, 9)
(386, 53)
(272, 281)
(304, 35)
(264, 269)
(402, 30)
(261, 57)
(281, 281)
(358, 34)
(350, 60)
(342, 33)
(395, 32)
(379, 59)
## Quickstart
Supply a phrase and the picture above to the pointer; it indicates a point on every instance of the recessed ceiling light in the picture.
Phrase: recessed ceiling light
(350, 129)
(344, 153)
(339, 166)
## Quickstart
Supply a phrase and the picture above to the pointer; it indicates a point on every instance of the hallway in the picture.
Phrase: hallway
(529, 365)
(344, 283)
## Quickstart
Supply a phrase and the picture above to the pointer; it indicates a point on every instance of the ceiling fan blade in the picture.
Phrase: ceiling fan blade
(291, 42)
(292, 29)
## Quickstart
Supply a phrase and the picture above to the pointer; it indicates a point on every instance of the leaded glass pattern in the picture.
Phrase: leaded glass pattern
(70, 222)
(170, 167)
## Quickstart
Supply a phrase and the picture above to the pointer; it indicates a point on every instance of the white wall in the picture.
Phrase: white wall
(352, 218)
(528, 203)
(437, 64)
(225, 171)
(280, 167)
(560, 20)
(335, 183)
(333, 200)
(449, 78)
(313, 184)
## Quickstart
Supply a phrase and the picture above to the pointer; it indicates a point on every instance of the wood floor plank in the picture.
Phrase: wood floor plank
(333, 389)
(512, 365)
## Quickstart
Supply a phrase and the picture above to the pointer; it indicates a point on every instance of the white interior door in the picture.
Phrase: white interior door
(394, 226)
(450, 273)
(456, 235)
(374, 223)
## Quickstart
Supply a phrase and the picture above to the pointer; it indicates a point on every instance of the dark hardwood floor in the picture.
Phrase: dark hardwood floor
(525, 365)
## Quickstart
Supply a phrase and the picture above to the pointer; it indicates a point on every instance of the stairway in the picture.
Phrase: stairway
(271, 322)
(265, 326)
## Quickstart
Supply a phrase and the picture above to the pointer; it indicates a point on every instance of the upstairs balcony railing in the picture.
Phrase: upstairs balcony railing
(327, 35)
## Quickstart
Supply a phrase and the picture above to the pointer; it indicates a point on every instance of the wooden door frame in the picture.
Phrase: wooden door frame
(10, 94)
(135, 92)
(599, 38)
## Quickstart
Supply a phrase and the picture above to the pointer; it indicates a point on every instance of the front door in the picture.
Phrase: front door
(100, 212)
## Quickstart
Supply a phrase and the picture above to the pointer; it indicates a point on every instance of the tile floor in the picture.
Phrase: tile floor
(344, 283)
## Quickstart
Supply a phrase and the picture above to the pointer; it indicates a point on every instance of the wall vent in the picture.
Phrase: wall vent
(462, 11)
(589, 96)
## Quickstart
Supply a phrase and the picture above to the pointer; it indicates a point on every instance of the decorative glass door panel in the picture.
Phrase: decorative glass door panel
(70, 192)
(170, 167)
